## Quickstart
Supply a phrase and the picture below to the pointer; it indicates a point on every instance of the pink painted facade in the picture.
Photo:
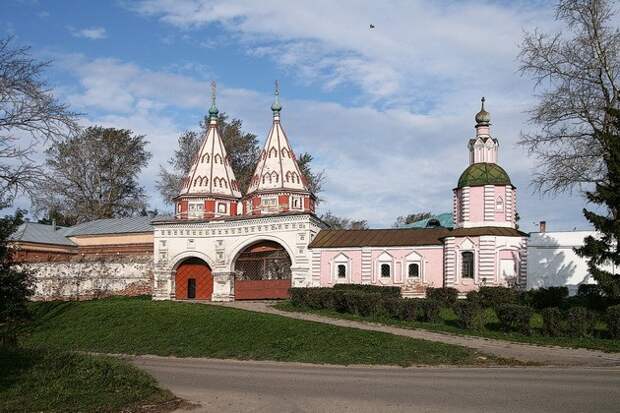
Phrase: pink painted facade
(483, 248)
(366, 267)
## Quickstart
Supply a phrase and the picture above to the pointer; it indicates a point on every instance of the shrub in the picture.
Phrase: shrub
(363, 304)
(393, 307)
(591, 296)
(514, 317)
(313, 297)
(447, 296)
(579, 322)
(553, 322)
(613, 321)
(475, 297)
(409, 309)
(548, 297)
(392, 292)
(428, 310)
(495, 296)
(470, 315)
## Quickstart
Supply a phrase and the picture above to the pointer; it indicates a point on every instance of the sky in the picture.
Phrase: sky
(386, 112)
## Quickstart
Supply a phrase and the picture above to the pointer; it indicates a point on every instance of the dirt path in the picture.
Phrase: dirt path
(552, 356)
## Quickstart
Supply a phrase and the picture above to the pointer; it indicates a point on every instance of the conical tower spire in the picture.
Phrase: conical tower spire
(210, 188)
(278, 185)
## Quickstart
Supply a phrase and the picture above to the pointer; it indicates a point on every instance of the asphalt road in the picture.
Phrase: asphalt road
(236, 386)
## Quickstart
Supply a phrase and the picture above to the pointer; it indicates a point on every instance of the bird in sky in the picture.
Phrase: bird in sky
(372, 26)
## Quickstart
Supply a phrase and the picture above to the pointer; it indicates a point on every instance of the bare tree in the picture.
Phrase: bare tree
(29, 115)
(576, 73)
(343, 223)
(94, 175)
(411, 218)
(180, 162)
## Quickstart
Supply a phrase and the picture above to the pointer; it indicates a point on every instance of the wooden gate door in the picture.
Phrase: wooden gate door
(193, 280)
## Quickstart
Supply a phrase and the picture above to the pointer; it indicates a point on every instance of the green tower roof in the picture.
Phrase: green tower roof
(483, 173)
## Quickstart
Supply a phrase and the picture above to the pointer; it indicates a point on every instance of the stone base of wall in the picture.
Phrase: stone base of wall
(85, 278)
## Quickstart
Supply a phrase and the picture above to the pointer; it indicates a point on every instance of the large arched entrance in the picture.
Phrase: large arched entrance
(262, 271)
(193, 280)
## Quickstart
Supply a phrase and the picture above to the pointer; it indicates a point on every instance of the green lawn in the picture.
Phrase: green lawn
(449, 325)
(36, 380)
(142, 326)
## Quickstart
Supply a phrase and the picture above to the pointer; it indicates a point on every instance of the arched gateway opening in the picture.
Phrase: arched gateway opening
(262, 271)
(193, 280)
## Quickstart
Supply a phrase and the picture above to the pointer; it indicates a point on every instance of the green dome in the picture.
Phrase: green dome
(483, 173)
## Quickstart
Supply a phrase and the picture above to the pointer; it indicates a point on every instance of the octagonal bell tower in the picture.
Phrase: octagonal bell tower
(484, 195)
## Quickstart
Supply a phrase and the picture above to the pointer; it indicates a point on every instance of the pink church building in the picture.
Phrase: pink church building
(483, 248)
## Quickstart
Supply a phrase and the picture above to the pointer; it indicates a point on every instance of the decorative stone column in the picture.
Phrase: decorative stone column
(163, 282)
(301, 276)
(223, 286)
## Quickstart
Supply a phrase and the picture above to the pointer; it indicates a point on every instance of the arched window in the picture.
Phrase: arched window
(205, 158)
(288, 176)
(275, 176)
(273, 153)
(467, 259)
(197, 181)
(386, 270)
(217, 158)
(413, 270)
(341, 271)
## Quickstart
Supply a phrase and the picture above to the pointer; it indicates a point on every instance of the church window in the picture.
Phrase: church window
(273, 153)
(221, 208)
(342, 271)
(413, 271)
(275, 176)
(269, 204)
(285, 153)
(195, 210)
(499, 204)
(386, 271)
(205, 158)
(288, 176)
(467, 259)
(217, 158)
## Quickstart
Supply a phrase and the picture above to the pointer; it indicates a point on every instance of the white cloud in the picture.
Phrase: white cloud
(379, 163)
(92, 33)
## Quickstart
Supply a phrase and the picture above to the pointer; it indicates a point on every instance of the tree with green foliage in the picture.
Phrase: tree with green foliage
(94, 175)
(15, 285)
(604, 252)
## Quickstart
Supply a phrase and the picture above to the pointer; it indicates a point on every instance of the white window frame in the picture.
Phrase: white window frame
(195, 209)
(384, 258)
(414, 258)
(341, 259)
(271, 206)
(218, 207)
(300, 201)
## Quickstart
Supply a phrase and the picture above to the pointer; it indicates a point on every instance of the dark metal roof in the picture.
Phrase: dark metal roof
(41, 234)
(479, 231)
(401, 237)
(112, 226)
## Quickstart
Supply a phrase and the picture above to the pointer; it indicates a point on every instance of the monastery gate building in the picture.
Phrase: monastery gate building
(223, 245)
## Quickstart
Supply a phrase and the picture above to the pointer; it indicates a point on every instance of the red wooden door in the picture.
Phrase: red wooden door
(198, 271)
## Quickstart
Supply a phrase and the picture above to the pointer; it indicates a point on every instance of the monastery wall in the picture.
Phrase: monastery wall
(83, 278)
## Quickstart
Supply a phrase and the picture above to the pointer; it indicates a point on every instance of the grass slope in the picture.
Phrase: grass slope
(142, 326)
(449, 325)
(38, 380)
